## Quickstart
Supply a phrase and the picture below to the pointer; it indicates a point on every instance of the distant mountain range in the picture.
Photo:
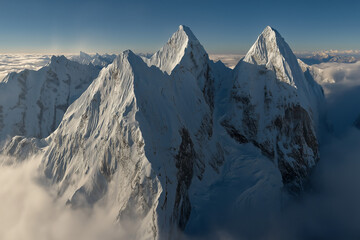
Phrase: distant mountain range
(318, 58)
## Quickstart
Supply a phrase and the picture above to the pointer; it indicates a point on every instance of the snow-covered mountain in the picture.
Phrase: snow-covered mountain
(275, 107)
(96, 60)
(173, 139)
(32, 103)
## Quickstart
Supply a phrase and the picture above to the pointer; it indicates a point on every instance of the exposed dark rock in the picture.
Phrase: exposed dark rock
(357, 123)
(209, 88)
(233, 132)
(300, 135)
(1, 118)
(218, 158)
(295, 149)
(185, 164)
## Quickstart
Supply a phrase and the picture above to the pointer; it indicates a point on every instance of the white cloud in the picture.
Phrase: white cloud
(16, 62)
(331, 210)
(341, 83)
(29, 211)
(345, 74)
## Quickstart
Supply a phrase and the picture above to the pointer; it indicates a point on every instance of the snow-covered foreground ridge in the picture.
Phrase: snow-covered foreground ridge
(160, 139)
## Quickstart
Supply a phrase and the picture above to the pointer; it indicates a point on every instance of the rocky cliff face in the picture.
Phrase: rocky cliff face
(357, 122)
(161, 139)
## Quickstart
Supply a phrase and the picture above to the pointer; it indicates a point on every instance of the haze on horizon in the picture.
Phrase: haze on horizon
(58, 27)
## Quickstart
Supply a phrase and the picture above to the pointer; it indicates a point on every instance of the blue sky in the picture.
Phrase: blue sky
(63, 26)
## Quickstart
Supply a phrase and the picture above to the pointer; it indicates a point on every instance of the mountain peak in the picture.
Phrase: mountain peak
(271, 50)
(269, 29)
(126, 60)
(128, 53)
(271, 34)
(268, 44)
(84, 54)
(182, 43)
(187, 31)
(181, 27)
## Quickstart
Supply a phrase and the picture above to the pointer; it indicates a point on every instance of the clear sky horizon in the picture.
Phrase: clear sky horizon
(223, 27)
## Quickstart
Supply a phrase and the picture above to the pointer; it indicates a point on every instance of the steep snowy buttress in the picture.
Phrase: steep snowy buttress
(276, 108)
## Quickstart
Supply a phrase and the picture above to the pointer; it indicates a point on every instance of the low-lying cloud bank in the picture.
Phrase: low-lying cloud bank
(345, 75)
(331, 210)
(30, 211)
(328, 210)
(341, 83)
(16, 62)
